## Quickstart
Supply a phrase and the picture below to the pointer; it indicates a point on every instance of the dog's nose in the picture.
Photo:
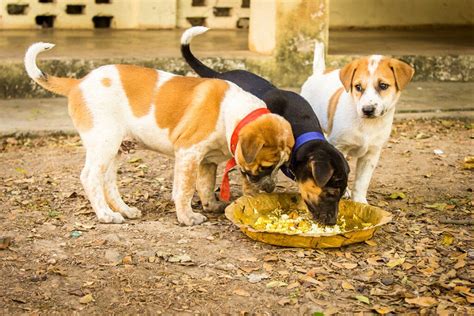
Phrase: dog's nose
(368, 110)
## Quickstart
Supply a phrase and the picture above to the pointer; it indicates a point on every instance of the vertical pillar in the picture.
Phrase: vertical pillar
(287, 29)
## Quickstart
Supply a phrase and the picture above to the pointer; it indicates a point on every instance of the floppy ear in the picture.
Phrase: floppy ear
(347, 73)
(322, 172)
(402, 72)
(250, 147)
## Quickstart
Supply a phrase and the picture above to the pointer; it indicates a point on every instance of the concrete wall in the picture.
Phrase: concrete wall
(126, 14)
(372, 13)
(187, 10)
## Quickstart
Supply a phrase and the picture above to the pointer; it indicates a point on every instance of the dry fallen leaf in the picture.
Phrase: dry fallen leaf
(349, 266)
(382, 310)
(241, 292)
(424, 301)
(371, 243)
(468, 163)
(374, 261)
(86, 299)
(447, 239)
(460, 264)
(273, 284)
(347, 286)
(395, 262)
(293, 285)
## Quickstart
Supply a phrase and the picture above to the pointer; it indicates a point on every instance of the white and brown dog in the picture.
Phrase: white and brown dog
(198, 121)
(355, 106)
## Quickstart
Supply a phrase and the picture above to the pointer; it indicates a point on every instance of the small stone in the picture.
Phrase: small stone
(52, 261)
(257, 277)
(76, 234)
(113, 256)
(387, 281)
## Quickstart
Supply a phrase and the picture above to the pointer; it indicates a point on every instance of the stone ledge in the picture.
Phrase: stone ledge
(14, 83)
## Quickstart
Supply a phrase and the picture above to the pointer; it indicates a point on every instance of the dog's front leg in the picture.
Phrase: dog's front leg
(364, 170)
(185, 175)
(247, 187)
(206, 183)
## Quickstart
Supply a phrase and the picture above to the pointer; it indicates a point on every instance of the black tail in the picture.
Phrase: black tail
(201, 69)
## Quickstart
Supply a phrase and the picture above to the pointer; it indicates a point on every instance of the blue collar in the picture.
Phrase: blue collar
(300, 141)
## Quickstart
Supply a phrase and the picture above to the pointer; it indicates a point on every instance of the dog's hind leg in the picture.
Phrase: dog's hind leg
(99, 156)
(206, 183)
(112, 193)
(185, 178)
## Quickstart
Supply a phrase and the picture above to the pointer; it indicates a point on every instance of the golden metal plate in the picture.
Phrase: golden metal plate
(244, 211)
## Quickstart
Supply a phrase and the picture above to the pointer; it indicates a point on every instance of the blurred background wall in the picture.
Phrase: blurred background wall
(399, 13)
(223, 14)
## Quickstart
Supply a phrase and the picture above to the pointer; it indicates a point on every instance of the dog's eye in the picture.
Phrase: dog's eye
(383, 86)
(358, 87)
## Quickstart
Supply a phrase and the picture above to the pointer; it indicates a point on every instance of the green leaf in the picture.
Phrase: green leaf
(53, 214)
(21, 170)
(398, 196)
(318, 314)
(363, 299)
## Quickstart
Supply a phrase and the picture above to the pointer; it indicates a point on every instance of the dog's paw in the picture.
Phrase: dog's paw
(191, 218)
(131, 212)
(110, 217)
(216, 207)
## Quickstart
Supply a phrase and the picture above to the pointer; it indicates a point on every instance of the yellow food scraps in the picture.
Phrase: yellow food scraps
(296, 222)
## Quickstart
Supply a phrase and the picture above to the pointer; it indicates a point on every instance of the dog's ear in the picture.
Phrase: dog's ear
(250, 148)
(402, 72)
(347, 74)
(322, 172)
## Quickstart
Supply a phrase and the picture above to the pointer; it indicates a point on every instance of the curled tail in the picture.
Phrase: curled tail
(319, 65)
(201, 69)
(57, 85)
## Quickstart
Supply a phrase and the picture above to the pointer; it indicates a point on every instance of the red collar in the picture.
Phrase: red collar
(225, 186)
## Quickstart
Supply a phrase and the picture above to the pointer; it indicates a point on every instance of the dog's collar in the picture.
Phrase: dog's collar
(225, 186)
(300, 141)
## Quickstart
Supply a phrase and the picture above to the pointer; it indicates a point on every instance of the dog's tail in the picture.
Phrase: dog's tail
(201, 69)
(57, 85)
(319, 65)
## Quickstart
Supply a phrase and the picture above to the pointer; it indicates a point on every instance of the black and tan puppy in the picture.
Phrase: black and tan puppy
(319, 168)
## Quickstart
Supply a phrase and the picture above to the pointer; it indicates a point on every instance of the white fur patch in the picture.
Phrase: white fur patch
(192, 32)
(374, 61)
(30, 58)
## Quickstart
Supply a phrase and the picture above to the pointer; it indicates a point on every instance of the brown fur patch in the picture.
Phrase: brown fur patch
(276, 136)
(310, 191)
(139, 84)
(189, 108)
(106, 82)
(333, 101)
(78, 111)
(58, 85)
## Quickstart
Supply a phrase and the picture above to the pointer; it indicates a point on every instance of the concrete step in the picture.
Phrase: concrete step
(420, 100)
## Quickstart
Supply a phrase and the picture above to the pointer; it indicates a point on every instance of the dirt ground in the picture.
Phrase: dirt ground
(61, 260)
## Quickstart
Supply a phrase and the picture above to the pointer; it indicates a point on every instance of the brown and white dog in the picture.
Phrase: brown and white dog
(192, 119)
(355, 106)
